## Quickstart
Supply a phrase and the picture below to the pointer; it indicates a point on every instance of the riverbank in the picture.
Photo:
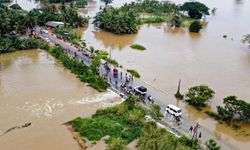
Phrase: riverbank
(36, 88)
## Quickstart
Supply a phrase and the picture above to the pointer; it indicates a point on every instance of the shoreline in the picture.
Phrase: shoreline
(76, 136)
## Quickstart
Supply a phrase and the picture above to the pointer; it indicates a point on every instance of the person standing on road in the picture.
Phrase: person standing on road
(200, 135)
(121, 74)
(191, 129)
(116, 83)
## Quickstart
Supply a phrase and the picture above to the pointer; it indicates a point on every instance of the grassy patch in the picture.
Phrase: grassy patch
(138, 47)
(71, 36)
(134, 73)
(83, 72)
(157, 19)
(123, 124)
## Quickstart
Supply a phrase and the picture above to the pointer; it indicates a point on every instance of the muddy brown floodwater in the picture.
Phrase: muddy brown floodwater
(205, 58)
(172, 54)
(35, 88)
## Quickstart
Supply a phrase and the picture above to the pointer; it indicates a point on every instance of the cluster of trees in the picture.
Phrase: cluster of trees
(151, 6)
(126, 122)
(195, 26)
(83, 72)
(234, 109)
(20, 21)
(195, 9)
(126, 18)
(81, 3)
(199, 95)
(5, 1)
(11, 44)
(72, 37)
(116, 20)
(246, 39)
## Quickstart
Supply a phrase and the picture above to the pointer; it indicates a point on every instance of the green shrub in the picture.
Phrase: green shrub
(138, 47)
(157, 19)
(116, 144)
(195, 27)
(134, 73)
(83, 72)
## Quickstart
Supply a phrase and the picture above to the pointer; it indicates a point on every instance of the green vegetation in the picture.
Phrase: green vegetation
(107, 2)
(15, 6)
(155, 112)
(81, 3)
(83, 72)
(138, 46)
(151, 6)
(178, 94)
(12, 43)
(234, 109)
(116, 144)
(198, 95)
(5, 1)
(246, 39)
(124, 20)
(105, 56)
(175, 21)
(195, 9)
(134, 73)
(212, 145)
(59, 1)
(126, 122)
(72, 37)
(20, 22)
(195, 27)
(157, 19)
(116, 20)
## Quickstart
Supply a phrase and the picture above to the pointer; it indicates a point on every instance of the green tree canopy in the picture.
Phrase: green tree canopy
(116, 20)
(15, 6)
(175, 21)
(107, 1)
(81, 3)
(156, 112)
(195, 27)
(116, 144)
(212, 145)
(198, 95)
(234, 108)
(195, 9)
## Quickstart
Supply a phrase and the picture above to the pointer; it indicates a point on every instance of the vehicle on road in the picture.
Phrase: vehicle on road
(47, 40)
(140, 90)
(44, 31)
(173, 110)
(115, 73)
(151, 99)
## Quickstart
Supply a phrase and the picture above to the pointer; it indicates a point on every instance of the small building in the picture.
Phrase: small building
(54, 24)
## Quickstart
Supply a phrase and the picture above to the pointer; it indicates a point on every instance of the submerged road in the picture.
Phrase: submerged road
(168, 120)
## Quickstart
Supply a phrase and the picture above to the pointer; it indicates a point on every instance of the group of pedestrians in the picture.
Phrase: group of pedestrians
(193, 130)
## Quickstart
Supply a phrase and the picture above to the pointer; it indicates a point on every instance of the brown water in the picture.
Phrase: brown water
(205, 58)
(35, 88)
(173, 54)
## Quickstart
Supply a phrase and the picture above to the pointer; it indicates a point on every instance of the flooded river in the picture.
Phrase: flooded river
(205, 58)
(35, 88)
(172, 54)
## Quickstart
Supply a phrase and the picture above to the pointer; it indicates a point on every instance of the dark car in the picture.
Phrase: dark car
(140, 90)
(115, 73)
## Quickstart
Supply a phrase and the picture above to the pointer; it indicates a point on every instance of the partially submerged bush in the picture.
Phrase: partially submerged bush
(138, 47)
(134, 73)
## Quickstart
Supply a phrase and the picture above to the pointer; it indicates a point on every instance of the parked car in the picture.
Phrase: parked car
(141, 90)
(44, 31)
(115, 73)
(47, 40)
(173, 110)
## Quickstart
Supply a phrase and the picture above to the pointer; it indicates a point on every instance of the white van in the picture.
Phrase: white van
(173, 110)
